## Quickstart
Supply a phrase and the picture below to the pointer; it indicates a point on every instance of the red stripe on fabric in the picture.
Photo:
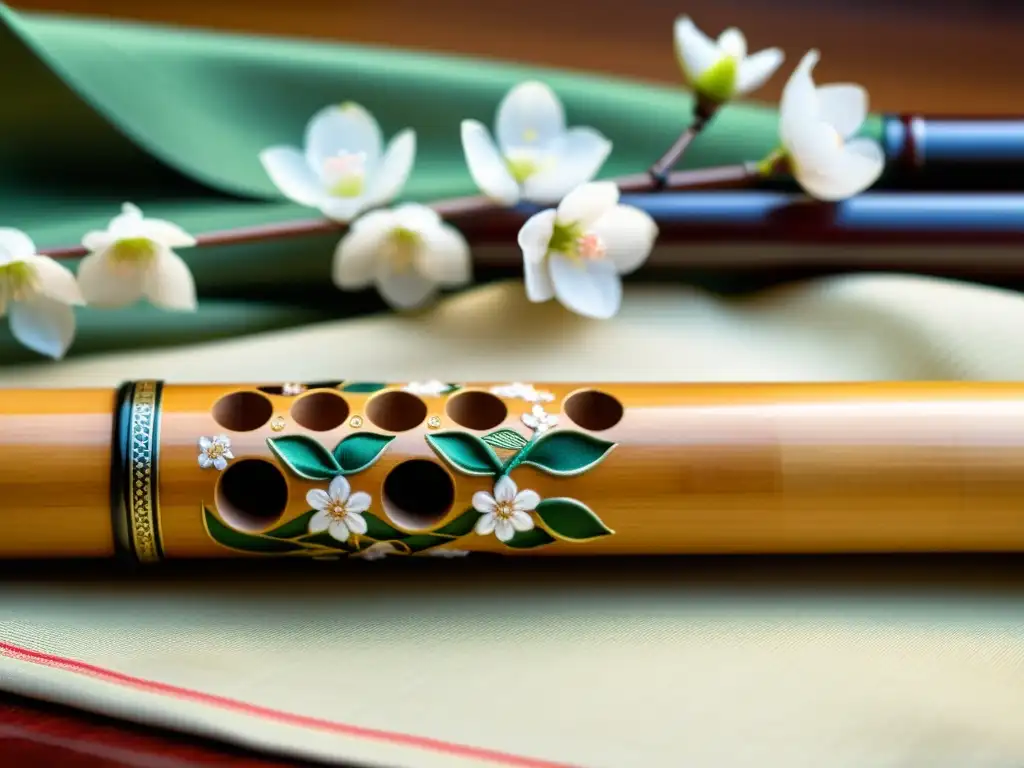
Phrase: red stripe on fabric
(356, 731)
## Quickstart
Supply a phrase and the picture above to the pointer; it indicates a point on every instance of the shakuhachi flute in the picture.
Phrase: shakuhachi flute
(331, 470)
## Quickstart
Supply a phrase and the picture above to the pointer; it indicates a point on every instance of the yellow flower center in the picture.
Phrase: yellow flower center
(20, 279)
(401, 249)
(504, 510)
(345, 174)
(523, 163)
(572, 241)
(215, 451)
(336, 510)
(133, 250)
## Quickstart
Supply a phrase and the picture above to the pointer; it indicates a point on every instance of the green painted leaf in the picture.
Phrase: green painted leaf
(420, 542)
(293, 528)
(363, 387)
(465, 452)
(567, 452)
(535, 537)
(229, 537)
(461, 525)
(453, 388)
(572, 520)
(360, 451)
(379, 530)
(505, 438)
(326, 540)
(305, 457)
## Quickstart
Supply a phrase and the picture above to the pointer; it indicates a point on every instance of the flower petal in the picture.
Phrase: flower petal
(732, 43)
(417, 217)
(404, 290)
(317, 498)
(342, 209)
(338, 530)
(98, 240)
(355, 256)
(485, 525)
(590, 288)
(292, 175)
(220, 463)
(43, 325)
(578, 156)
(505, 489)
(358, 502)
(531, 421)
(205, 443)
(696, 51)
(339, 489)
(798, 108)
(534, 238)
(530, 115)
(319, 522)
(588, 202)
(103, 284)
(504, 530)
(15, 245)
(484, 502)
(55, 280)
(755, 70)
(444, 256)
(628, 235)
(526, 500)
(852, 170)
(128, 223)
(346, 128)
(356, 522)
(844, 106)
(166, 233)
(205, 462)
(393, 172)
(486, 165)
(521, 521)
(169, 283)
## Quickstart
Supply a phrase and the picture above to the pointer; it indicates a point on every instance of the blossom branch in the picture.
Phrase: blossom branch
(702, 115)
(457, 209)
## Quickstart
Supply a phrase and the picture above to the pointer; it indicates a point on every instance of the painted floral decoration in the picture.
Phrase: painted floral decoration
(505, 512)
(338, 510)
(539, 420)
(215, 452)
(519, 391)
(432, 388)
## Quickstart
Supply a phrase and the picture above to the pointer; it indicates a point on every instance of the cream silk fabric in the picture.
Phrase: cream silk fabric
(737, 663)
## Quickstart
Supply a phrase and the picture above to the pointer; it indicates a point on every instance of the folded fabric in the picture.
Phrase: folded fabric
(98, 112)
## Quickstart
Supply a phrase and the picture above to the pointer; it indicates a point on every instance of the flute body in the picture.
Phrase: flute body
(359, 469)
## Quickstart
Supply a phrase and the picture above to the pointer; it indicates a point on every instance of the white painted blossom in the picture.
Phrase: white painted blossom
(134, 258)
(519, 391)
(292, 388)
(344, 169)
(539, 420)
(507, 511)
(578, 251)
(536, 158)
(816, 126)
(338, 510)
(432, 388)
(215, 452)
(377, 551)
(719, 70)
(407, 251)
(447, 554)
(37, 295)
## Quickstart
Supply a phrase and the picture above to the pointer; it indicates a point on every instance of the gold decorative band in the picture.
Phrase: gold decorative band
(142, 496)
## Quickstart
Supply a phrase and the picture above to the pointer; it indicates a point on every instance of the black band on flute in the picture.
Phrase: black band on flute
(134, 482)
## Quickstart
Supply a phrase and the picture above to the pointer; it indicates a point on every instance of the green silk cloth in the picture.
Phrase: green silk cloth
(98, 113)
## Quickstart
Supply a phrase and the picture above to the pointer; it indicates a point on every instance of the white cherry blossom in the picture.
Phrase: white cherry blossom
(518, 390)
(539, 420)
(578, 251)
(37, 295)
(344, 169)
(134, 258)
(407, 251)
(536, 158)
(338, 510)
(505, 512)
(432, 388)
(720, 70)
(817, 125)
(215, 452)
